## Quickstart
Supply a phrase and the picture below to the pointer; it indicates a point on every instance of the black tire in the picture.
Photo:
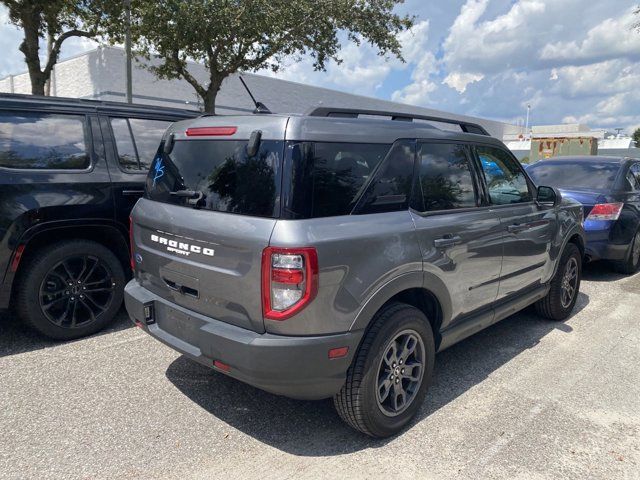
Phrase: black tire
(357, 403)
(553, 306)
(34, 290)
(631, 263)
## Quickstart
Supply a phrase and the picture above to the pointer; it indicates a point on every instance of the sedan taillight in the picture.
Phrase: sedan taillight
(605, 211)
(289, 280)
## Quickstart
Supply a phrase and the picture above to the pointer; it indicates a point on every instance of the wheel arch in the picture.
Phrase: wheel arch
(410, 288)
(110, 235)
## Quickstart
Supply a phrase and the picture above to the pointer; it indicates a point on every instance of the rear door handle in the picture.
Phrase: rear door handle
(517, 228)
(132, 192)
(447, 241)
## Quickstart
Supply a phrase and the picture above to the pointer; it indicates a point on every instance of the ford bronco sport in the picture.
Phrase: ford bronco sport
(333, 254)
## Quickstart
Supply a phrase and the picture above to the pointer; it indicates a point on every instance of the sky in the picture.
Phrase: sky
(570, 60)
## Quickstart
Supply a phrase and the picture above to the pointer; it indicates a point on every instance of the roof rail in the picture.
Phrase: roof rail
(467, 127)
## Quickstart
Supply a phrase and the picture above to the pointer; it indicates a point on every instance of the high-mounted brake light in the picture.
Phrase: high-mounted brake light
(605, 211)
(289, 280)
(210, 131)
(131, 259)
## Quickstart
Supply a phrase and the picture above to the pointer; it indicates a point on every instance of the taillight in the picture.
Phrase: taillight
(289, 280)
(210, 131)
(131, 259)
(605, 211)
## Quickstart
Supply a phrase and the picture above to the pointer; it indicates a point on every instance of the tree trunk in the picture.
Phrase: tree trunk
(30, 48)
(211, 94)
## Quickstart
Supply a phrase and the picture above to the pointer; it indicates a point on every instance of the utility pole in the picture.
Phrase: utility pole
(526, 128)
(127, 47)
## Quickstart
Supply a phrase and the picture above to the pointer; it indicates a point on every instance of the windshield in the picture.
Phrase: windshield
(219, 176)
(574, 175)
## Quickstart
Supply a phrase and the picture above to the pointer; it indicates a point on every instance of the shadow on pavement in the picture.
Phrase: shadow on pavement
(16, 337)
(601, 271)
(308, 428)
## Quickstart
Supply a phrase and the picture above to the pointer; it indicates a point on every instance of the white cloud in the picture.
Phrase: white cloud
(416, 53)
(459, 81)
(10, 38)
(612, 38)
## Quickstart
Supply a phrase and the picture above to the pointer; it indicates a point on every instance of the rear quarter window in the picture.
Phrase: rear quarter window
(326, 179)
(42, 141)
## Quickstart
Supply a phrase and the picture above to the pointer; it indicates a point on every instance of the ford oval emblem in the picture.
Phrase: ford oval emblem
(138, 258)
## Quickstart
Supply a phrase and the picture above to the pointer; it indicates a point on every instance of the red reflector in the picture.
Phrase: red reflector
(285, 275)
(15, 263)
(138, 323)
(209, 131)
(605, 211)
(338, 352)
(221, 366)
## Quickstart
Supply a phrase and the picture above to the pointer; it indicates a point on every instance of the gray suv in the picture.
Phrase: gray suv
(333, 254)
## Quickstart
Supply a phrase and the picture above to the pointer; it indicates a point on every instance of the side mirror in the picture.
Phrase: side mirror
(548, 196)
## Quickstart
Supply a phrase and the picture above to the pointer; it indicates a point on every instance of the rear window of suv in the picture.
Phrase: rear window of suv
(222, 176)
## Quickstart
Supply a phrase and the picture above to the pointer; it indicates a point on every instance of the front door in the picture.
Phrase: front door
(527, 228)
(460, 238)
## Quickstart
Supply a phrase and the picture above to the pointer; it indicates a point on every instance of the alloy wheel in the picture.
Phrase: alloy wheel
(400, 373)
(76, 291)
(569, 282)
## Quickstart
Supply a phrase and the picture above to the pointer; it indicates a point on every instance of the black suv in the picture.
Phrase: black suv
(70, 172)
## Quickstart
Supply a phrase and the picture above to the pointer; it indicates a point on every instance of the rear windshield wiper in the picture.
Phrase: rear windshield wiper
(194, 197)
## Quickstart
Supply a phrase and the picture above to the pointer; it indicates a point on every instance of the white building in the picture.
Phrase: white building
(100, 74)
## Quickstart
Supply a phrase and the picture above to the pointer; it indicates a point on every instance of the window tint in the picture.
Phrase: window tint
(222, 175)
(573, 175)
(326, 179)
(634, 171)
(505, 180)
(137, 153)
(445, 180)
(390, 190)
(147, 134)
(127, 156)
(43, 141)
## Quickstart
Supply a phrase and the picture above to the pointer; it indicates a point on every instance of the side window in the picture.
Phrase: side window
(43, 141)
(137, 141)
(127, 156)
(390, 190)
(326, 179)
(633, 177)
(505, 179)
(147, 135)
(445, 180)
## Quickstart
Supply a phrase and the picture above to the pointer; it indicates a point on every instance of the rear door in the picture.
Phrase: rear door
(130, 145)
(527, 227)
(460, 238)
(208, 213)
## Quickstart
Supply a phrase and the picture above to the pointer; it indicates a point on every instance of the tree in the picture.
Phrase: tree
(636, 136)
(249, 35)
(55, 21)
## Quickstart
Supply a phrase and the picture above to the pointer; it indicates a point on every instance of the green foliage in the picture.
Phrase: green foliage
(56, 21)
(247, 35)
(636, 136)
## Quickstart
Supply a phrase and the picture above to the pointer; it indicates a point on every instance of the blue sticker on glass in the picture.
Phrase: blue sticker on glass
(159, 171)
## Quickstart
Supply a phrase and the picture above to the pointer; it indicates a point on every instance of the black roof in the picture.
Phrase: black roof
(37, 102)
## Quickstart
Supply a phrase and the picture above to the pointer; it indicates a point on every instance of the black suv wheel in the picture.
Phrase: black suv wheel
(631, 263)
(389, 376)
(565, 285)
(71, 289)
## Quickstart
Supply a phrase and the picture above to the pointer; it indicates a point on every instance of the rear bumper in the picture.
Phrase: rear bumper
(600, 247)
(296, 367)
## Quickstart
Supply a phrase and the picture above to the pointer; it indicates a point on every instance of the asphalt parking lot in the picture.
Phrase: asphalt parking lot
(524, 399)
